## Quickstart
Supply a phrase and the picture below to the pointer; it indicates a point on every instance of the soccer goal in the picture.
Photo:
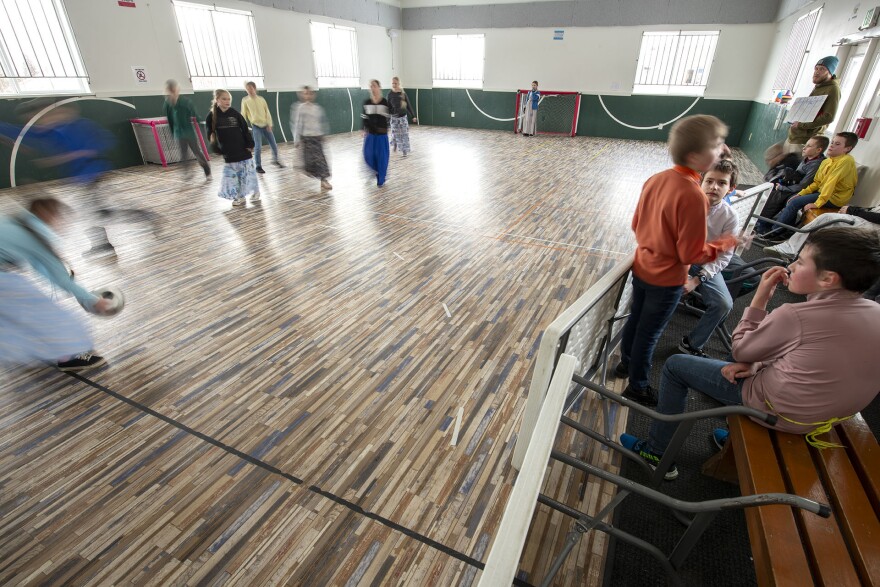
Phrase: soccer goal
(557, 112)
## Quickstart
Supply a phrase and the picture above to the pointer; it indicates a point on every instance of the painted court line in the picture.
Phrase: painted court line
(445, 309)
(398, 256)
(459, 229)
(259, 463)
(457, 426)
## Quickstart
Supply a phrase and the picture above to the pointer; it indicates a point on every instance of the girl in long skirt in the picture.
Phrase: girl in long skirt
(400, 107)
(530, 111)
(229, 133)
(376, 114)
(309, 125)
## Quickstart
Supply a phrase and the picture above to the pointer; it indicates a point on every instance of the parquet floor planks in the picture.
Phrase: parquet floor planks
(310, 331)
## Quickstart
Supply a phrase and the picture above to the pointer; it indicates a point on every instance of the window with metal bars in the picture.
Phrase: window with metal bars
(796, 51)
(220, 46)
(38, 53)
(675, 62)
(458, 60)
(336, 55)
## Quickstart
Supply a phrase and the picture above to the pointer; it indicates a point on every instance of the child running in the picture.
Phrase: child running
(309, 125)
(228, 129)
(400, 108)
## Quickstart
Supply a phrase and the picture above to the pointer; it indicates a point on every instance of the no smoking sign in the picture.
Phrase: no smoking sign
(140, 74)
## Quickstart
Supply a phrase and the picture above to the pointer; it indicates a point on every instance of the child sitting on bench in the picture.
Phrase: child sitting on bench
(811, 363)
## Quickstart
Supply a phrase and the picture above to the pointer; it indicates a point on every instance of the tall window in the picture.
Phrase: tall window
(220, 46)
(796, 51)
(675, 62)
(38, 54)
(458, 60)
(336, 55)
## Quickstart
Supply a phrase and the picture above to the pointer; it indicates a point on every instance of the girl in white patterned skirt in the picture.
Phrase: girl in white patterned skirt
(231, 137)
(400, 108)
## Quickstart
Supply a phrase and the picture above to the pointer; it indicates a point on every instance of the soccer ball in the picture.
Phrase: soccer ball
(114, 294)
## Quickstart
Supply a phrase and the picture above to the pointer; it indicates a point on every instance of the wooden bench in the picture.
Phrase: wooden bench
(793, 547)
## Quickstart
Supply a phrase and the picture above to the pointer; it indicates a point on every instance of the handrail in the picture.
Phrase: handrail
(769, 419)
(511, 535)
(544, 362)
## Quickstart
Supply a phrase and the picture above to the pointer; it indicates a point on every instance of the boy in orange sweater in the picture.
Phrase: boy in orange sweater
(670, 228)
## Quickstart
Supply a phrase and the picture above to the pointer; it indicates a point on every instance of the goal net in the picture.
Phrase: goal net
(557, 113)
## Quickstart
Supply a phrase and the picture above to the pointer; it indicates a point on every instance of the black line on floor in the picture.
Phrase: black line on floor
(272, 469)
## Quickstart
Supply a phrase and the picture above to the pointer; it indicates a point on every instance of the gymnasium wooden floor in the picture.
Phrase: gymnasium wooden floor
(279, 404)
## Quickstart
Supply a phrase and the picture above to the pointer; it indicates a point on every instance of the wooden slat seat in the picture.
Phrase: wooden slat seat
(795, 547)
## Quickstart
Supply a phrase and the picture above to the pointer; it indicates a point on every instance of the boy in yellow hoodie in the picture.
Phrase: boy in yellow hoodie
(831, 188)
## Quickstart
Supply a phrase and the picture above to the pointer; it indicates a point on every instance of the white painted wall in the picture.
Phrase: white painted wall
(593, 60)
(113, 39)
(840, 18)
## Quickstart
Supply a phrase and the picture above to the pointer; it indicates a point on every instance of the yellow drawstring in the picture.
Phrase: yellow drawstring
(821, 428)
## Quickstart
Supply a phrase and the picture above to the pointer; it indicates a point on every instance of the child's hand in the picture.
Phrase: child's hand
(844, 209)
(728, 242)
(809, 207)
(734, 371)
(691, 284)
(771, 278)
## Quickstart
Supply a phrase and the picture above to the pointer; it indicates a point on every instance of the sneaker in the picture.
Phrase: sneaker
(777, 254)
(279, 164)
(719, 437)
(637, 445)
(238, 202)
(80, 362)
(325, 185)
(685, 347)
(255, 197)
(260, 170)
(621, 370)
(646, 397)
(104, 250)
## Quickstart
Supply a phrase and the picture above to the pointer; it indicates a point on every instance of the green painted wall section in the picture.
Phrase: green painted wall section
(115, 117)
(434, 107)
(759, 133)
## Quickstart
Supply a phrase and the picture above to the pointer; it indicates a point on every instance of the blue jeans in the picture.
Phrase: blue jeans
(259, 133)
(683, 372)
(718, 303)
(652, 307)
(789, 213)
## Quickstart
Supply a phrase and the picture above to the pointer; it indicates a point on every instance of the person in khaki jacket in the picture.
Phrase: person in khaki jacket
(826, 84)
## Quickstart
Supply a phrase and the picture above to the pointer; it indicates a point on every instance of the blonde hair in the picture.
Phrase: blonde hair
(217, 93)
(694, 134)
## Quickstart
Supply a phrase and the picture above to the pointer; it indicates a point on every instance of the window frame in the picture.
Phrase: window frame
(460, 81)
(678, 65)
(337, 68)
(803, 53)
(71, 62)
(229, 74)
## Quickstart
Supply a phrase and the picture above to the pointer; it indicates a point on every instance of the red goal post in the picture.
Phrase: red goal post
(557, 112)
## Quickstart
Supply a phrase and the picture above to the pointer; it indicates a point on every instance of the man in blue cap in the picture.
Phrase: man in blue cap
(826, 84)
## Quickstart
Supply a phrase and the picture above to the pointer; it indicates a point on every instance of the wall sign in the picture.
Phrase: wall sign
(558, 34)
(140, 74)
(125, 3)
